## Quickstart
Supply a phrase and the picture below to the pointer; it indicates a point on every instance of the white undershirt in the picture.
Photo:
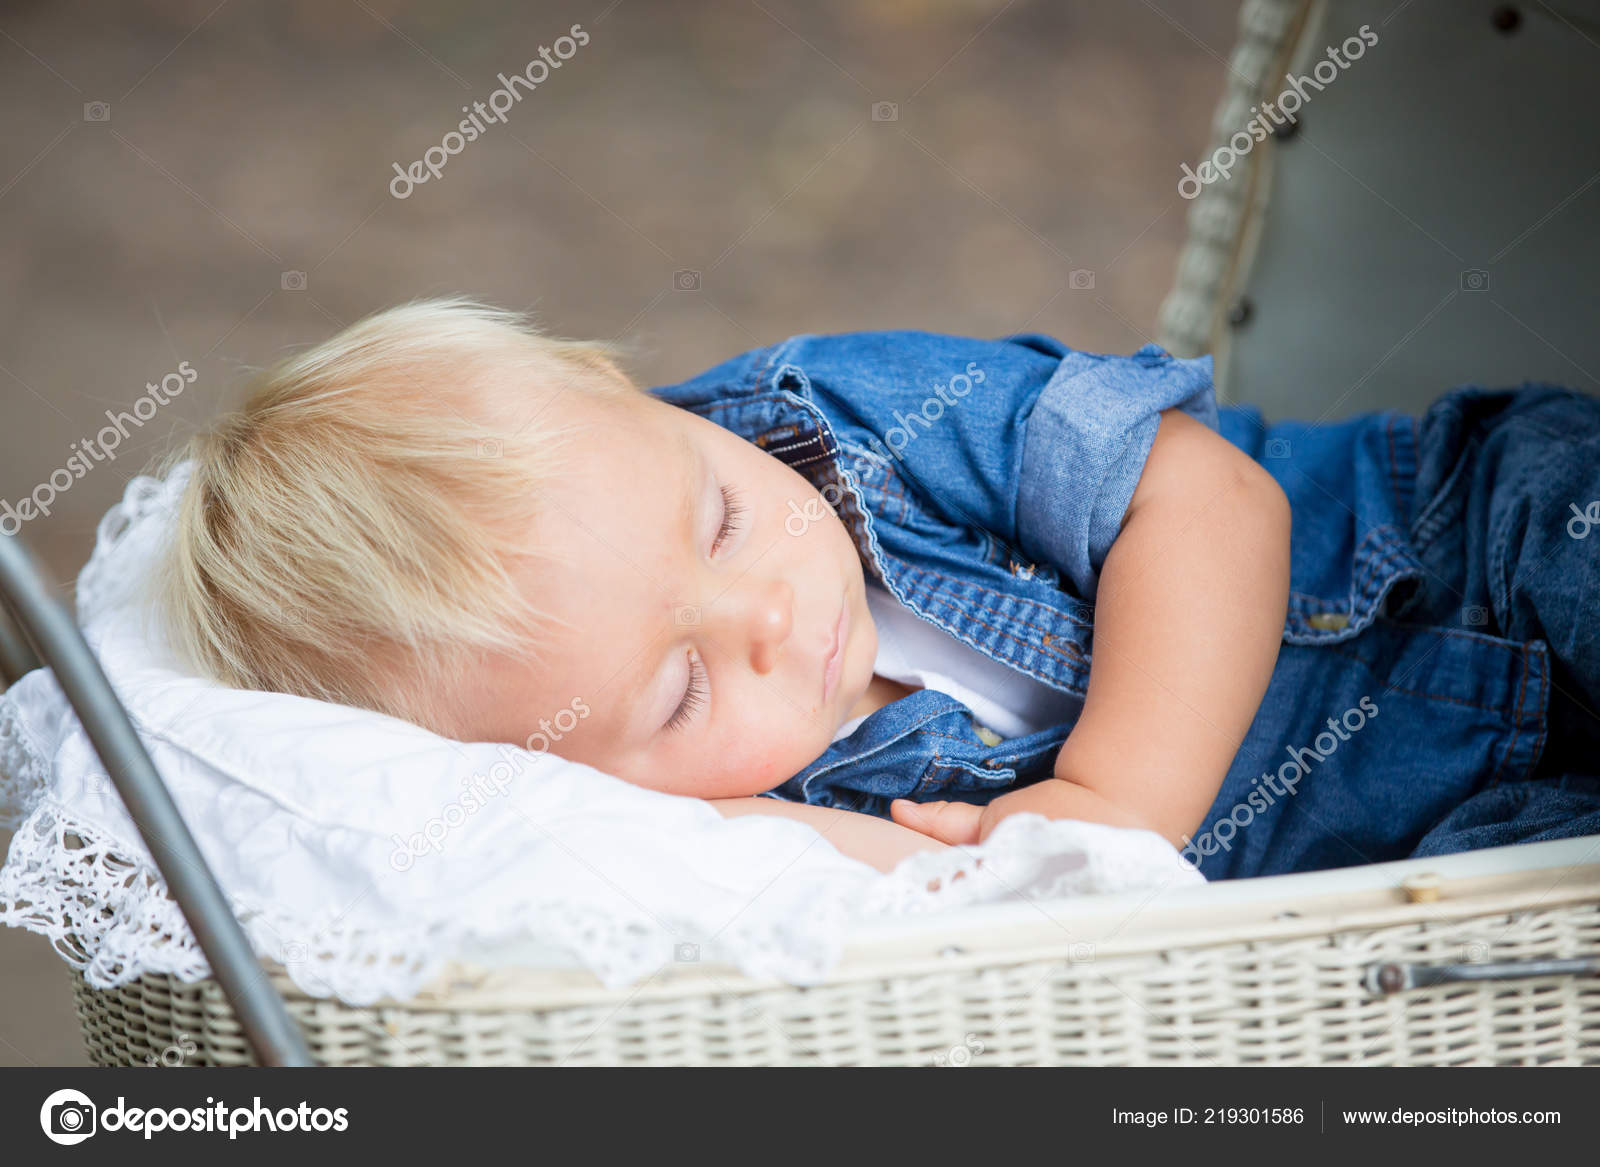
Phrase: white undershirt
(917, 653)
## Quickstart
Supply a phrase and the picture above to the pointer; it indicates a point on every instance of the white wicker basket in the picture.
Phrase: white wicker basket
(1266, 971)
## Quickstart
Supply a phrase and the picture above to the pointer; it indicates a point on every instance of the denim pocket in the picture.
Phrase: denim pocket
(1361, 746)
(1384, 576)
(1351, 558)
(983, 773)
(946, 778)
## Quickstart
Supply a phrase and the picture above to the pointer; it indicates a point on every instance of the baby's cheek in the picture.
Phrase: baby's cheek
(757, 762)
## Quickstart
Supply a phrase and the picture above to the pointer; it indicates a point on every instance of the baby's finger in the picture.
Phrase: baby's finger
(955, 823)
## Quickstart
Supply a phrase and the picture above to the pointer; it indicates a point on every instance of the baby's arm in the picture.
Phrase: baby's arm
(1188, 620)
(873, 841)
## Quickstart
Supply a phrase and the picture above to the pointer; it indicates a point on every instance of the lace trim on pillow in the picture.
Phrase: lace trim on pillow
(109, 916)
(24, 768)
(1029, 857)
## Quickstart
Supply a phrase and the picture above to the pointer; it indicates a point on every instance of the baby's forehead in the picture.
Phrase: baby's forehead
(618, 507)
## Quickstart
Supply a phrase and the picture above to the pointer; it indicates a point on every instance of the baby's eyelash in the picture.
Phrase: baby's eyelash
(693, 697)
(732, 515)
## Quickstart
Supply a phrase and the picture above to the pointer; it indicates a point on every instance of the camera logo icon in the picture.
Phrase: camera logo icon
(686, 615)
(491, 448)
(1474, 279)
(885, 111)
(1081, 280)
(1277, 447)
(1475, 615)
(685, 953)
(67, 1117)
(96, 111)
(686, 280)
(293, 281)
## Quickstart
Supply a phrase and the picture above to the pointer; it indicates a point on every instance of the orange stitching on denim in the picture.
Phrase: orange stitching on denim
(928, 775)
(1394, 477)
(1058, 646)
(967, 585)
(1544, 718)
(895, 488)
(1381, 567)
(765, 373)
(1516, 731)
(892, 488)
(1480, 637)
(728, 403)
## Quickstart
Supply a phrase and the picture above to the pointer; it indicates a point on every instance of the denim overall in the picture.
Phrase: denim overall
(1441, 654)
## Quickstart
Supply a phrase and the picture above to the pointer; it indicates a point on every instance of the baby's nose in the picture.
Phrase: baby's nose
(762, 615)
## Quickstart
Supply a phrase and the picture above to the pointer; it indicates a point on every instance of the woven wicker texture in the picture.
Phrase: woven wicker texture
(1275, 1002)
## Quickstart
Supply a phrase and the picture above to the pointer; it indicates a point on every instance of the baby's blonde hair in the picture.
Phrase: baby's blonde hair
(351, 532)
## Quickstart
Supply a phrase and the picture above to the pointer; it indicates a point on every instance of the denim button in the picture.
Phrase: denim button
(1329, 621)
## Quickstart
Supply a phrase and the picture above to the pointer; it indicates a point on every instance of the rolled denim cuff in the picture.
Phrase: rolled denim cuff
(1088, 437)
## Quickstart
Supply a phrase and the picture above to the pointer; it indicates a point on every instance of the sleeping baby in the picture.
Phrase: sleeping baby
(901, 585)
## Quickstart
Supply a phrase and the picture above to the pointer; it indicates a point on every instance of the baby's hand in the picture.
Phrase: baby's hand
(956, 823)
(963, 824)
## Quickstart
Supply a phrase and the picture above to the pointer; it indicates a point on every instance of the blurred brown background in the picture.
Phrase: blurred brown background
(164, 165)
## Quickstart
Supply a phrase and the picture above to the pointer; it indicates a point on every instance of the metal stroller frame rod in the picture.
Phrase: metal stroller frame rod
(272, 1033)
